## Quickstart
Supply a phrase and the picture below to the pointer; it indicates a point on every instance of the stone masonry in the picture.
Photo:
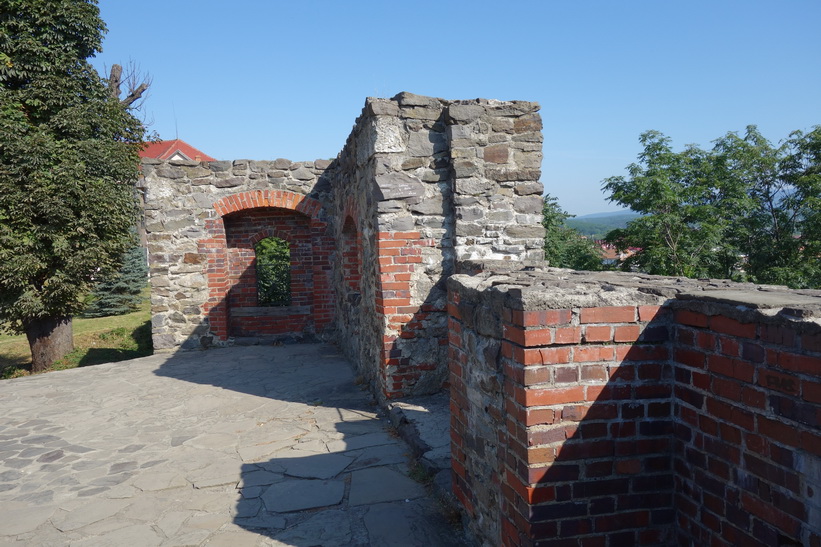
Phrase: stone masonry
(586, 409)
(421, 184)
(620, 409)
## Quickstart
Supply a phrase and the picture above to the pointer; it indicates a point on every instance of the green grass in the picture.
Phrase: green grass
(96, 341)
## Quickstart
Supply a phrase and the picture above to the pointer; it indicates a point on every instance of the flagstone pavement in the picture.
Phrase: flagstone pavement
(256, 445)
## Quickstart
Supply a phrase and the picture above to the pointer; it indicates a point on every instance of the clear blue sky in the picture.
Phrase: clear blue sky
(268, 79)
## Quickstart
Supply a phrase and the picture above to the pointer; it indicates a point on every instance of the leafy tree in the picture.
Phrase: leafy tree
(564, 246)
(273, 272)
(122, 292)
(68, 159)
(744, 210)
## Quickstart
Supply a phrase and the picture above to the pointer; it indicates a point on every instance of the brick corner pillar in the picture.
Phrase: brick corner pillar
(588, 403)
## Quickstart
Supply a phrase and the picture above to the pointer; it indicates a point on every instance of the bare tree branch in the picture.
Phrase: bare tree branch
(137, 83)
(114, 80)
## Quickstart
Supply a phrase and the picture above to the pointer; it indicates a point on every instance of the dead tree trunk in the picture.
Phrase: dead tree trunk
(50, 339)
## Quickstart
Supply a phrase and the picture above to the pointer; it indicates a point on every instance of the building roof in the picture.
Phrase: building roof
(175, 149)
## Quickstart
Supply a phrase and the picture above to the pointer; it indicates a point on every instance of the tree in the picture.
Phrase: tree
(273, 272)
(743, 210)
(68, 160)
(122, 292)
(565, 247)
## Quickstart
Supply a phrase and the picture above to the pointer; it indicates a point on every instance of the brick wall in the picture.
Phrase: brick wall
(232, 307)
(247, 317)
(618, 410)
(748, 441)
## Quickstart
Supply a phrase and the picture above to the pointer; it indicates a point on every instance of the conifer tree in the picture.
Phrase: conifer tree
(122, 292)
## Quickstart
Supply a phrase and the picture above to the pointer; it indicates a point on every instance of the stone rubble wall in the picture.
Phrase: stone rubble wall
(179, 203)
(421, 184)
(628, 409)
(430, 182)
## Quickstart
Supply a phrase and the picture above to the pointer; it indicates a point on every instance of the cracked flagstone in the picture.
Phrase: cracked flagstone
(256, 445)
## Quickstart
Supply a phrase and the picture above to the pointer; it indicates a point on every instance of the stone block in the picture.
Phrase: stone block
(220, 166)
(435, 175)
(426, 143)
(517, 231)
(528, 123)
(421, 113)
(170, 172)
(385, 136)
(390, 206)
(464, 229)
(414, 163)
(463, 113)
(496, 154)
(406, 98)
(507, 175)
(322, 164)
(430, 206)
(502, 125)
(464, 200)
(397, 186)
(382, 107)
(513, 108)
(231, 182)
(500, 216)
(528, 204)
(403, 224)
(196, 172)
(531, 136)
(178, 224)
(473, 186)
(460, 132)
(465, 168)
(281, 163)
(528, 188)
(302, 173)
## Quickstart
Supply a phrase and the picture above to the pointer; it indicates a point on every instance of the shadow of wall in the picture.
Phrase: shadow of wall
(301, 454)
(615, 409)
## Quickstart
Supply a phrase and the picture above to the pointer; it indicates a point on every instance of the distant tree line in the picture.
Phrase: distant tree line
(564, 246)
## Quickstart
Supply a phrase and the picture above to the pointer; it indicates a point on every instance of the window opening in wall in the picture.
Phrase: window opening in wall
(273, 272)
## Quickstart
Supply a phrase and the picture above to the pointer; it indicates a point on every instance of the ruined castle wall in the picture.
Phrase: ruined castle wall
(189, 262)
(415, 179)
(420, 184)
(634, 410)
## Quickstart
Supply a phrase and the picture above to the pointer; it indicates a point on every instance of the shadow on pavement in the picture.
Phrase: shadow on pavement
(317, 464)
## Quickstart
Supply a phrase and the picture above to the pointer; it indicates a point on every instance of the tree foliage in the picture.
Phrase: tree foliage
(745, 209)
(122, 292)
(68, 160)
(273, 272)
(565, 247)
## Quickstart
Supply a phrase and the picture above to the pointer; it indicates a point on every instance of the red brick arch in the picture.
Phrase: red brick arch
(243, 219)
(283, 199)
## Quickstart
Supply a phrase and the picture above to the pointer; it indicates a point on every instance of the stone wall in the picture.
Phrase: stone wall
(615, 409)
(420, 184)
(191, 269)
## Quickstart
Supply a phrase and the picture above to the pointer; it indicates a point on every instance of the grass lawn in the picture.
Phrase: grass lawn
(96, 341)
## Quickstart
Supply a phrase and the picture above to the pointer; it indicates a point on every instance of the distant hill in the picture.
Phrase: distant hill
(597, 225)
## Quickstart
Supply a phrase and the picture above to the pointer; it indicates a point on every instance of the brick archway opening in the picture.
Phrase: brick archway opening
(234, 308)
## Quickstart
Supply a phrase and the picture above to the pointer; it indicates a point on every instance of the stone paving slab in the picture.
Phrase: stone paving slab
(253, 446)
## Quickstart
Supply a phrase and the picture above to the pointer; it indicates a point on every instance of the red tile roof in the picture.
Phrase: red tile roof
(163, 150)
